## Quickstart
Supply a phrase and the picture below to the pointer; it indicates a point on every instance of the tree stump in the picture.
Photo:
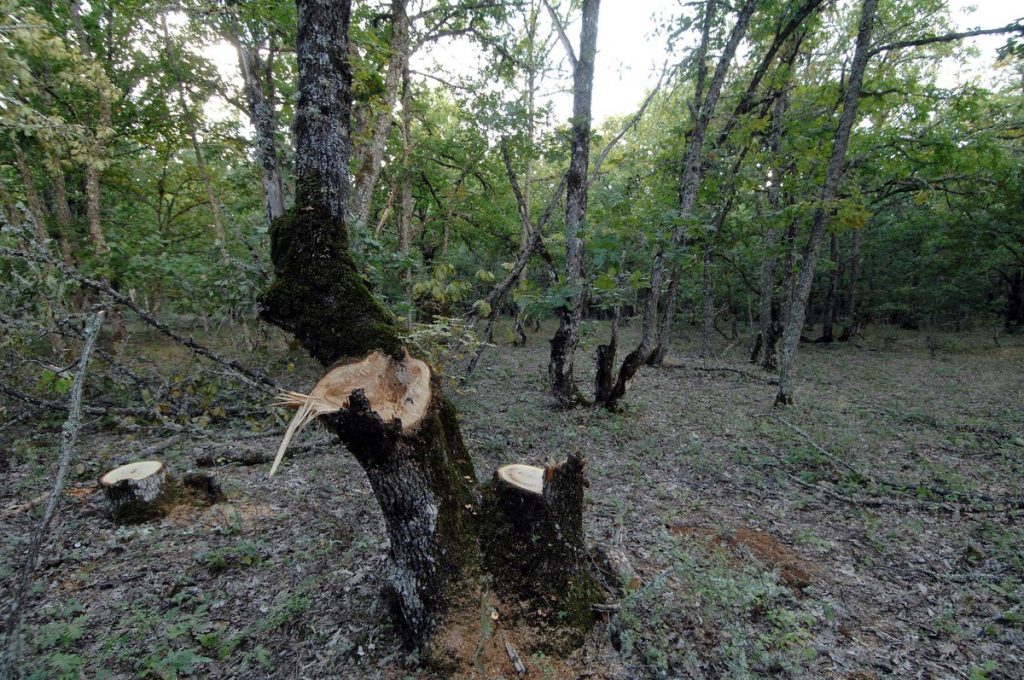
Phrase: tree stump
(390, 415)
(137, 492)
(532, 544)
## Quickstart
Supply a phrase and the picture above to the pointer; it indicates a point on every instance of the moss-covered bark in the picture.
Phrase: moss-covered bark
(533, 547)
(422, 476)
(319, 295)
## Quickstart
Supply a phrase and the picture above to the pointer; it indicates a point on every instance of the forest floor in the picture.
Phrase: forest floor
(872, 530)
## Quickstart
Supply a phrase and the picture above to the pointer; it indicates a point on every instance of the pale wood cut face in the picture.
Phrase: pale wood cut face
(395, 389)
(529, 478)
(139, 470)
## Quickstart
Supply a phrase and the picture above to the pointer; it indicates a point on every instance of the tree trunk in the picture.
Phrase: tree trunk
(97, 150)
(832, 295)
(32, 199)
(852, 322)
(191, 125)
(657, 357)
(768, 304)
(136, 492)
(823, 213)
(371, 156)
(707, 340)
(563, 345)
(688, 187)
(533, 544)
(1013, 315)
(415, 459)
(263, 117)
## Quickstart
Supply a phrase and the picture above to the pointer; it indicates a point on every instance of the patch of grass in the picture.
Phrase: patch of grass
(239, 556)
(705, 616)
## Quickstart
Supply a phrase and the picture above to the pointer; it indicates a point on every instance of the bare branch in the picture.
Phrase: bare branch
(1015, 27)
(562, 37)
(68, 437)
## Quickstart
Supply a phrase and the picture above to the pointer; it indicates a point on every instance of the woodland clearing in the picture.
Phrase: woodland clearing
(872, 530)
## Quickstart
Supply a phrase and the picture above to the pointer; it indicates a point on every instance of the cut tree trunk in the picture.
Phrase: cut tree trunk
(532, 543)
(137, 492)
(385, 405)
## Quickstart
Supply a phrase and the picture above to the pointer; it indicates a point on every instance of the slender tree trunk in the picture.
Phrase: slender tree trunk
(191, 129)
(371, 156)
(32, 200)
(832, 295)
(767, 304)
(852, 322)
(263, 117)
(657, 357)
(707, 349)
(93, 189)
(405, 204)
(62, 211)
(688, 187)
(563, 345)
(823, 213)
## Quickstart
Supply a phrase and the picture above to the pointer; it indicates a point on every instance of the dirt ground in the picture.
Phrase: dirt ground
(873, 530)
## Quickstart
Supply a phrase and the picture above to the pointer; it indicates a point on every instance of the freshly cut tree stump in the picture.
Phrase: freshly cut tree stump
(137, 492)
(532, 543)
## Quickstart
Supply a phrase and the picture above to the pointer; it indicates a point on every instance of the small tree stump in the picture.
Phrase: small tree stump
(136, 492)
(532, 543)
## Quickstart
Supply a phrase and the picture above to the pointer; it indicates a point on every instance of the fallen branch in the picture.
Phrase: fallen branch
(69, 435)
(819, 448)
(251, 376)
(724, 369)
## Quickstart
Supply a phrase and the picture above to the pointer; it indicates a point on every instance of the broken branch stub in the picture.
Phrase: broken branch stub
(393, 389)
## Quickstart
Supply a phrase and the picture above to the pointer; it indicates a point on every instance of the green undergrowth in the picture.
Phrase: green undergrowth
(706, 616)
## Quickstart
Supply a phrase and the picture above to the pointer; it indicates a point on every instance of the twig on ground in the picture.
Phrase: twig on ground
(819, 448)
(69, 435)
(724, 369)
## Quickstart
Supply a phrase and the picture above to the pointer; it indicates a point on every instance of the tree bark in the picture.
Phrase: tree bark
(421, 473)
(688, 187)
(852, 323)
(823, 213)
(534, 547)
(768, 314)
(832, 295)
(263, 117)
(566, 339)
(371, 155)
(93, 189)
(707, 341)
(32, 200)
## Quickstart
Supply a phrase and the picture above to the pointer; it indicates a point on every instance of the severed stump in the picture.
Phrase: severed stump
(532, 543)
(388, 412)
(137, 492)
(145, 490)
(523, 529)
